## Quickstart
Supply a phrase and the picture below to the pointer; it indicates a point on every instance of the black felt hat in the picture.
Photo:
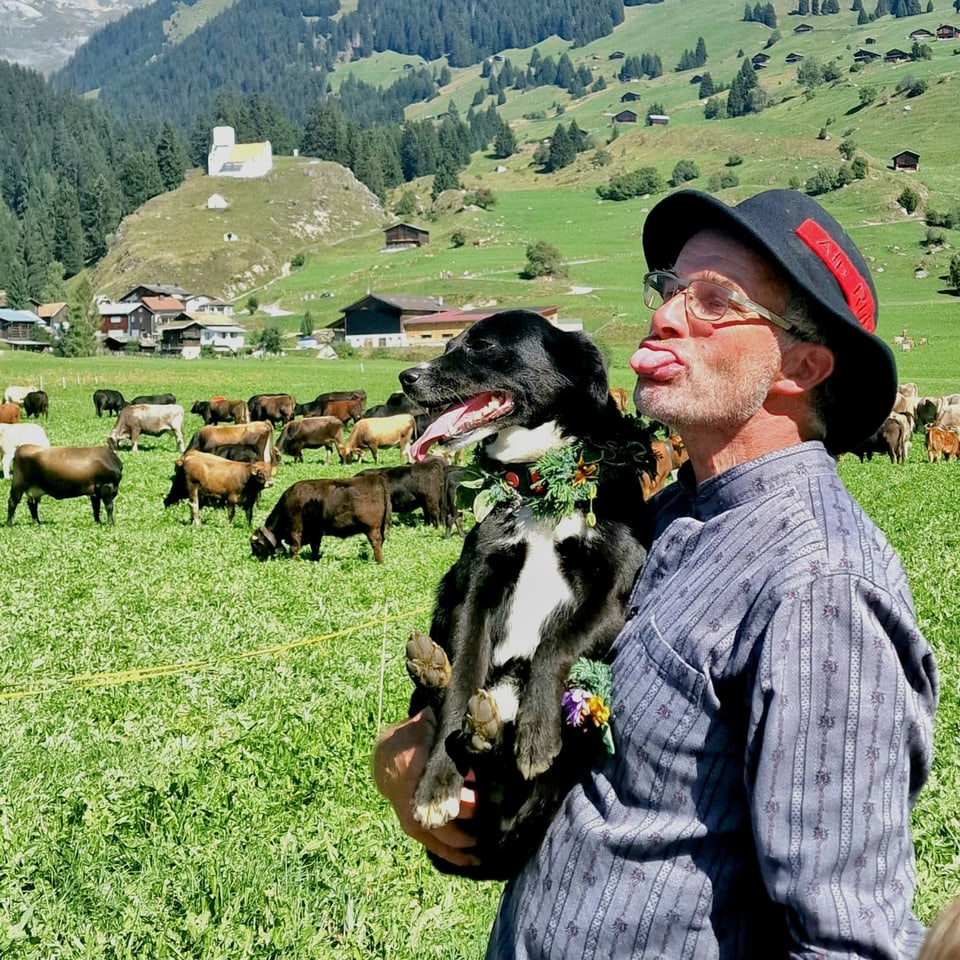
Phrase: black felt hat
(793, 232)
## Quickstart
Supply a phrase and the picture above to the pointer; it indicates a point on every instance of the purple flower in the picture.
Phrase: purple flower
(574, 703)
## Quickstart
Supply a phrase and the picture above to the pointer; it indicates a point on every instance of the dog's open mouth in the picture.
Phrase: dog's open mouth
(457, 424)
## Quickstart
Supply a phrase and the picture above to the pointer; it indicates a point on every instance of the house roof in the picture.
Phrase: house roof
(401, 302)
(468, 316)
(109, 309)
(18, 316)
(159, 290)
(408, 226)
(47, 310)
(907, 153)
(242, 152)
(165, 304)
(206, 320)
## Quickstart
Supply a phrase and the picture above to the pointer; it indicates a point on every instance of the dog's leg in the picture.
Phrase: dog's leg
(427, 663)
(482, 726)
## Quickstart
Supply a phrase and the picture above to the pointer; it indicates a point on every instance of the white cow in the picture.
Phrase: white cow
(149, 418)
(12, 435)
(16, 394)
(949, 418)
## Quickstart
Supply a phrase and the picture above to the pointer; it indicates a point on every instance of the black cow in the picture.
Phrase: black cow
(155, 398)
(397, 402)
(310, 509)
(110, 401)
(64, 472)
(416, 486)
(36, 403)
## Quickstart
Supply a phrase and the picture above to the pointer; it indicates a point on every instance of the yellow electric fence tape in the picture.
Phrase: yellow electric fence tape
(113, 678)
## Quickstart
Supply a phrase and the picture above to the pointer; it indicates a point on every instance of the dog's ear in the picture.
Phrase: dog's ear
(577, 352)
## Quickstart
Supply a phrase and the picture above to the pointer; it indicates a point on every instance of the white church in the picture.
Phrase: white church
(228, 158)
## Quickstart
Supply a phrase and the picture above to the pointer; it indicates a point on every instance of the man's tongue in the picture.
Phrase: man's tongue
(655, 364)
(456, 419)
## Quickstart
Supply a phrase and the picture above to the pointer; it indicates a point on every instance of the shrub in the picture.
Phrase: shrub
(299, 259)
(909, 199)
(543, 260)
(458, 238)
(734, 160)
(683, 171)
(935, 238)
(628, 185)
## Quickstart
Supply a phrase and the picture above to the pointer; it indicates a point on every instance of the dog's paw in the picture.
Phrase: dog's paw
(427, 662)
(536, 747)
(482, 727)
(434, 809)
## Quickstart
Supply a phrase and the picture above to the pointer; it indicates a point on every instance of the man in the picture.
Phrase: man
(772, 695)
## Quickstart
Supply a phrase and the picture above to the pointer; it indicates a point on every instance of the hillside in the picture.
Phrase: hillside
(174, 238)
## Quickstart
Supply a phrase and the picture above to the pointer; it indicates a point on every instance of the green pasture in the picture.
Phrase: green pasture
(185, 732)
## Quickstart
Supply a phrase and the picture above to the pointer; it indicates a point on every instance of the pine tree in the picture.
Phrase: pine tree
(172, 157)
(78, 338)
(447, 176)
(504, 142)
(700, 54)
(68, 230)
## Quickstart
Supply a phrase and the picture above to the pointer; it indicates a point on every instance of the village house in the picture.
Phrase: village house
(896, 56)
(865, 56)
(760, 60)
(625, 116)
(906, 160)
(438, 327)
(403, 235)
(630, 97)
(920, 34)
(657, 119)
(22, 330)
(802, 28)
(201, 303)
(947, 32)
(793, 58)
(376, 320)
(51, 314)
(188, 333)
(155, 290)
(227, 158)
(121, 323)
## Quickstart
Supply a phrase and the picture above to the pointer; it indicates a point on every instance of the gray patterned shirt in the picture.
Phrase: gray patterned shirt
(773, 705)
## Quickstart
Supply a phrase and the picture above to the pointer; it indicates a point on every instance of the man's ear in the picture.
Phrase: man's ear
(803, 366)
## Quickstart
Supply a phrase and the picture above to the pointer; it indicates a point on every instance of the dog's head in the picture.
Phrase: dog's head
(513, 375)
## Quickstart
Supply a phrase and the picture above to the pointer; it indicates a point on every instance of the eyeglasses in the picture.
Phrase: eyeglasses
(703, 299)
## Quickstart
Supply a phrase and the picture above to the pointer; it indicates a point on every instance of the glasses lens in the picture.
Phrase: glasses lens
(658, 288)
(706, 300)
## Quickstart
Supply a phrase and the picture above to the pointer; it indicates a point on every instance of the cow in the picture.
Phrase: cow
(949, 418)
(36, 404)
(322, 399)
(222, 411)
(670, 454)
(13, 435)
(311, 509)
(258, 434)
(897, 429)
(63, 472)
(310, 433)
(927, 411)
(452, 515)
(108, 400)
(347, 411)
(16, 395)
(907, 389)
(942, 444)
(397, 402)
(161, 398)
(275, 407)
(620, 397)
(238, 452)
(416, 486)
(372, 434)
(9, 412)
(149, 418)
(875, 443)
(226, 480)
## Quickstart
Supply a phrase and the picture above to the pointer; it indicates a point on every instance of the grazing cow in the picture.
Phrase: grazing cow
(149, 418)
(346, 411)
(322, 399)
(310, 509)
(416, 486)
(372, 434)
(238, 452)
(13, 435)
(875, 443)
(110, 400)
(620, 397)
(949, 418)
(311, 433)
(670, 454)
(907, 389)
(908, 407)
(259, 434)
(275, 407)
(927, 411)
(9, 412)
(222, 411)
(897, 429)
(16, 394)
(942, 444)
(63, 472)
(155, 398)
(226, 480)
(36, 404)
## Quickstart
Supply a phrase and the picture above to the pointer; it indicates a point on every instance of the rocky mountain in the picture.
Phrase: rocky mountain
(43, 34)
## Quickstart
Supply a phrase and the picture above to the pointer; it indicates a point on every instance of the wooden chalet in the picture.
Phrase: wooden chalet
(438, 327)
(20, 330)
(123, 322)
(625, 116)
(802, 28)
(657, 119)
(865, 56)
(760, 60)
(402, 235)
(617, 55)
(793, 58)
(896, 56)
(906, 160)
(52, 314)
(947, 32)
(377, 320)
(630, 97)
(187, 334)
(156, 290)
(921, 34)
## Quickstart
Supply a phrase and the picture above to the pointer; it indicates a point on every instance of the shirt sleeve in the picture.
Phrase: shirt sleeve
(838, 746)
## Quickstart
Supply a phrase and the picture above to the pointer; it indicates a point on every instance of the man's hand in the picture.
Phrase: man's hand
(399, 757)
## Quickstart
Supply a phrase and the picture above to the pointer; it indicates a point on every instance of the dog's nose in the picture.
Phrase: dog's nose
(409, 376)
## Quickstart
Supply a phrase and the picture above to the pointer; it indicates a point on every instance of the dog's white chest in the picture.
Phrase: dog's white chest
(540, 588)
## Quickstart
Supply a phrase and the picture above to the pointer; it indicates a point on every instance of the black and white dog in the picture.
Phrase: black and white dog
(530, 593)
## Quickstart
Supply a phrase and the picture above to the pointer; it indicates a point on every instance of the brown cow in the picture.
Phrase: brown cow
(222, 411)
(64, 472)
(309, 509)
(9, 412)
(942, 444)
(376, 432)
(275, 407)
(310, 433)
(258, 434)
(620, 397)
(670, 454)
(215, 478)
(416, 486)
(347, 411)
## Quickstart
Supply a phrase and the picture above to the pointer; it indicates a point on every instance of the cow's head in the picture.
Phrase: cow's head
(263, 543)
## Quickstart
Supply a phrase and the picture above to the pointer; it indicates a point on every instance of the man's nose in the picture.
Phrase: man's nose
(670, 319)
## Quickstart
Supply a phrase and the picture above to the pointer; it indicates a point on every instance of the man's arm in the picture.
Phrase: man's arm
(399, 757)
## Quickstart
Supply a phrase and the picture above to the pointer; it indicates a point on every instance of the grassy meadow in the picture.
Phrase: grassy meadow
(185, 732)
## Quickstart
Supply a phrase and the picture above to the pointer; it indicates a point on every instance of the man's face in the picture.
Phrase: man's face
(692, 373)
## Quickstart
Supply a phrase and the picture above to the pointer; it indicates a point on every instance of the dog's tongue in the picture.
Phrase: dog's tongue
(447, 424)
(655, 364)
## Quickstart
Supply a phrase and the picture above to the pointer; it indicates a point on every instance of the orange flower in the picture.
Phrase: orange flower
(584, 472)
(598, 710)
